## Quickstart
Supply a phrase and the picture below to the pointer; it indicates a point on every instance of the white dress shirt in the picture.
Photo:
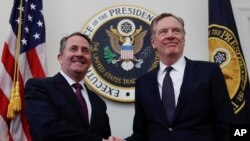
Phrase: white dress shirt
(84, 91)
(176, 74)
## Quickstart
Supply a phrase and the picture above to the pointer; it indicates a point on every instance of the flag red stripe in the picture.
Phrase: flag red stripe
(4, 104)
(24, 120)
(10, 137)
(8, 61)
(35, 64)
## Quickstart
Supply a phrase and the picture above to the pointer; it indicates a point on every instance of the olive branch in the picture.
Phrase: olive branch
(109, 55)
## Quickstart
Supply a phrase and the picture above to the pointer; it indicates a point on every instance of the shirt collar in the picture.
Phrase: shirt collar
(69, 80)
(178, 66)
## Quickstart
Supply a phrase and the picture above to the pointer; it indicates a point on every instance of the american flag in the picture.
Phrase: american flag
(31, 61)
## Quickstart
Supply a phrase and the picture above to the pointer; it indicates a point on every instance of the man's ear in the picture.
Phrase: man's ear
(59, 57)
(153, 43)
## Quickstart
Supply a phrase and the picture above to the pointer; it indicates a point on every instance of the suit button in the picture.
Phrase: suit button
(170, 129)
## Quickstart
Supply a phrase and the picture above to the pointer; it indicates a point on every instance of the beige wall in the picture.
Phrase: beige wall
(63, 17)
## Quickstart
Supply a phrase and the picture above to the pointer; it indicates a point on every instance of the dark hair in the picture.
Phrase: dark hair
(64, 40)
(163, 15)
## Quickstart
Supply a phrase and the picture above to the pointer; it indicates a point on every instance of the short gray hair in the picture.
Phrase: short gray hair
(163, 15)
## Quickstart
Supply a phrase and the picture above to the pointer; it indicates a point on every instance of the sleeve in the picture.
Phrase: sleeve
(46, 123)
(222, 105)
(139, 123)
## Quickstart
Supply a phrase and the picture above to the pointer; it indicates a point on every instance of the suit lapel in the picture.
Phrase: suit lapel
(190, 74)
(154, 83)
(65, 90)
(93, 106)
(154, 91)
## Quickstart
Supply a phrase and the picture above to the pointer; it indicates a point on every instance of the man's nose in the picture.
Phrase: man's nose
(79, 52)
(170, 34)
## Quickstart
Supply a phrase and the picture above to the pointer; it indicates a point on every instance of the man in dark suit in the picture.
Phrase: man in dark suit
(200, 108)
(52, 106)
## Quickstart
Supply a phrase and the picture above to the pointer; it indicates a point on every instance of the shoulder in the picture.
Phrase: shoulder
(205, 67)
(201, 64)
(149, 77)
(149, 73)
(38, 81)
(44, 80)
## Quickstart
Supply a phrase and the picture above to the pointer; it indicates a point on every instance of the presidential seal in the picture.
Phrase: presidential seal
(122, 50)
(225, 50)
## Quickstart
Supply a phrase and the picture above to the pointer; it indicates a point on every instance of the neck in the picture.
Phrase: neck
(169, 60)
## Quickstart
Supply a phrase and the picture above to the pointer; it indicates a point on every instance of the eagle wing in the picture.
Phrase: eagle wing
(139, 39)
(114, 41)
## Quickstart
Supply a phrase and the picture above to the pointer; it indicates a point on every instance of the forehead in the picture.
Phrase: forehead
(77, 40)
(167, 22)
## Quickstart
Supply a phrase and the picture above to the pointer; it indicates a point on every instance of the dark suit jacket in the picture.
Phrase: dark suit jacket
(54, 113)
(203, 110)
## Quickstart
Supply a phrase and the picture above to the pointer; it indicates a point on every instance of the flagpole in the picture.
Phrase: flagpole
(15, 100)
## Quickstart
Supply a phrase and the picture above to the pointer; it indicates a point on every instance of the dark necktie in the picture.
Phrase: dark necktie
(81, 100)
(168, 95)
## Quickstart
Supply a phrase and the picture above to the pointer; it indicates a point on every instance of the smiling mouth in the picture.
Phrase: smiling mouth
(170, 44)
(78, 62)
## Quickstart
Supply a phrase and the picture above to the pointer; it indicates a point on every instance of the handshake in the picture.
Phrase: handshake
(113, 138)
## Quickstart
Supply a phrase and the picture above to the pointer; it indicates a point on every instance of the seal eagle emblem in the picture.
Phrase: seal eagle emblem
(121, 50)
(127, 41)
